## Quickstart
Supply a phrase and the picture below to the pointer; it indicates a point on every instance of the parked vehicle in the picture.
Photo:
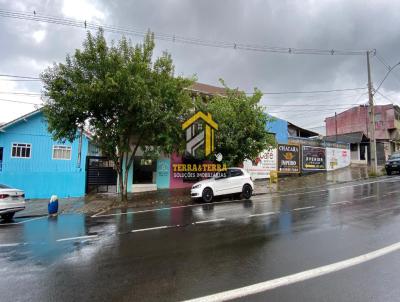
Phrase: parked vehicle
(393, 163)
(234, 181)
(11, 201)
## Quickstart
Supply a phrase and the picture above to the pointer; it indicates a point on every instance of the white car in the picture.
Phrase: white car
(11, 201)
(235, 181)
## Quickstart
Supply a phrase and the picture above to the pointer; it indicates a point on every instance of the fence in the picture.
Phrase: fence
(300, 156)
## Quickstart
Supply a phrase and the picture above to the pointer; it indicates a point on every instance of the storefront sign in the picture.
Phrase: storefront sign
(262, 166)
(313, 158)
(288, 158)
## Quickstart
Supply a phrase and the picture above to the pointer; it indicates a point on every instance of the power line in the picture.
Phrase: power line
(384, 63)
(382, 60)
(311, 105)
(312, 91)
(314, 127)
(20, 93)
(175, 38)
(20, 102)
(385, 77)
(19, 80)
(311, 110)
(265, 93)
(19, 77)
(385, 97)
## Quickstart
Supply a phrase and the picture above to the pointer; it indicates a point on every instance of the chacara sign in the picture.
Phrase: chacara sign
(288, 158)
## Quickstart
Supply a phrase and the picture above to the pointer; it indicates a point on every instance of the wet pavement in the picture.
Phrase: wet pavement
(184, 252)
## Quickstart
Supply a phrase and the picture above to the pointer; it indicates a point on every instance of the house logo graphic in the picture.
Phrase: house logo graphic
(200, 132)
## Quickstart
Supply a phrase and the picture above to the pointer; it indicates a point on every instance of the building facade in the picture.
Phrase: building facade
(32, 161)
(349, 124)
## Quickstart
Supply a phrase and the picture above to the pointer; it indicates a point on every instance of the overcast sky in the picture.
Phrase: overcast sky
(27, 47)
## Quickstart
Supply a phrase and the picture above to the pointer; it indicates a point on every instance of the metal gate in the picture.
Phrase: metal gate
(101, 175)
(380, 153)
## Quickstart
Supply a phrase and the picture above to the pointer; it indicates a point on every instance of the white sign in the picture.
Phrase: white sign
(337, 158)
(262, 165)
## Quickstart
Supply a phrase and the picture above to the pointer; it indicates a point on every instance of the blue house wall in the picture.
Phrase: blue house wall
(40, 176)
(278, 127)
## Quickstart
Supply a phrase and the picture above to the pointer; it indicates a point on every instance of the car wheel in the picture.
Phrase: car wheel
(247, 191)
(389, 172)
(7, 216)
(207, 195)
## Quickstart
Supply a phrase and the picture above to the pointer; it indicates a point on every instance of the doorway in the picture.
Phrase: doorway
(144, 170)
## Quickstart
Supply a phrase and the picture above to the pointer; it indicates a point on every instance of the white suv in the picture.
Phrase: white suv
(11, 201)
(235, 181)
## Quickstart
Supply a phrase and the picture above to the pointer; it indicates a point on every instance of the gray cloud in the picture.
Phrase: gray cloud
(302, 24)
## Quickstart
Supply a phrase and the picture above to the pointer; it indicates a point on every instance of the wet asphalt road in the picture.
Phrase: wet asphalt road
(188, 252)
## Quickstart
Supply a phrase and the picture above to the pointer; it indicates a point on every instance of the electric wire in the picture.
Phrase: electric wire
(19, 77)
(19, 102)
(175, 38)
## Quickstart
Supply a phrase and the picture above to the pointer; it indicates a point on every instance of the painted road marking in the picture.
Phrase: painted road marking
(10, 244)
(150, 229)
(298, 277)
(161, 209)
(393, 192)
(304, 208)
(263, 214)
(23, 221)
(366, 197)
(340, 202)
(263, 197)
(77, 238)
(208, 221)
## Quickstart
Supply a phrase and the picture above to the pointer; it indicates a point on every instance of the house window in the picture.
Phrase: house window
(21, 151)
(62, 152)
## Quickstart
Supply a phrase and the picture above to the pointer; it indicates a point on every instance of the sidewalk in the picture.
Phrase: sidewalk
(313, 180)
(101, 202)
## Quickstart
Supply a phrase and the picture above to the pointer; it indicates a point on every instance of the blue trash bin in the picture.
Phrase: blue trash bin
(53, 205)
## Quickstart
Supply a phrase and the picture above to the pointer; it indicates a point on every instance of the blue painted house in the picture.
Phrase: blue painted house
(32, 161)
(279, 128)
(284, 131)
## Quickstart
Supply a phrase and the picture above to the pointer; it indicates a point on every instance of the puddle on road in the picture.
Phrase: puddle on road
(36, 239)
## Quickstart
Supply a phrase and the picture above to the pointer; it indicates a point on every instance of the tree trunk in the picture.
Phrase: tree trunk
(125, 185)
(122, 187)
(121, 181)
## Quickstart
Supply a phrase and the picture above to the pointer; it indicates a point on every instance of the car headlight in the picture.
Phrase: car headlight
(196, 186)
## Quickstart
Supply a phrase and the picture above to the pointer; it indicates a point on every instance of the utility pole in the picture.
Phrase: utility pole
(335, 128)
(371, 111)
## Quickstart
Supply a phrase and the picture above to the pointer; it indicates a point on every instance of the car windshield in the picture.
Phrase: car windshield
(395, 156)
(4, 187)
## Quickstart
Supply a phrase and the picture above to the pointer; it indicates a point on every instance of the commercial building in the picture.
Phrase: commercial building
(351, 126)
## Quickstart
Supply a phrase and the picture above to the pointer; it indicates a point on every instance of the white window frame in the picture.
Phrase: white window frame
(26, 145)
(58, 147)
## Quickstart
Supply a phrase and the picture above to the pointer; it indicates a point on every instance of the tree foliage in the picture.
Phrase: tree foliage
(127, 100)
(242, 124)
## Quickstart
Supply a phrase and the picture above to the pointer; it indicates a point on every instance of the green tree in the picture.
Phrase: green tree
(127, 100)
(242, 124)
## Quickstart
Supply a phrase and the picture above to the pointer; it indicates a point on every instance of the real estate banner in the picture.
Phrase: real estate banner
(313, 158)
(288, 158)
